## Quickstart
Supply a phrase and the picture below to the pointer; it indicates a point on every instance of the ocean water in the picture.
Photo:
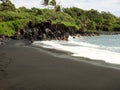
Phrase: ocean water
(104, 47)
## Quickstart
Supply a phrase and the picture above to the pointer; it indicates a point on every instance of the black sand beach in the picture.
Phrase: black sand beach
(25, 68)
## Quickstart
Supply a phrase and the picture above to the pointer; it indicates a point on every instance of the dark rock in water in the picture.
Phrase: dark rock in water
(74, 37)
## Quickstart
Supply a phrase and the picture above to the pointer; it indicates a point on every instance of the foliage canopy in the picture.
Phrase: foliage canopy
(13, 19)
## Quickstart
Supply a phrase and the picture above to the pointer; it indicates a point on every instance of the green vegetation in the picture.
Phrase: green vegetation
(13, 19)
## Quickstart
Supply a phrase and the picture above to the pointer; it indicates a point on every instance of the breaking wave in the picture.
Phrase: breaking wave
(83, 49)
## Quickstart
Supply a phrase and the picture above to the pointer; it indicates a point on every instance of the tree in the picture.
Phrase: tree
(2, 0)
(58, 8)
(7, 5)
(53, 3)
(23, 9)
(45, 2)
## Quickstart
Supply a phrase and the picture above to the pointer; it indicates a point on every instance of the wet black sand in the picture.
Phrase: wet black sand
(25, 68)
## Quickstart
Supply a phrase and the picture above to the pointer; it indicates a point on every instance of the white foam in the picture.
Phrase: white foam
(70, 37)
(81, 49)
(84, 44)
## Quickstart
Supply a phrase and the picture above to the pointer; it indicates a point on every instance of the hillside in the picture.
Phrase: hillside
(13, 20)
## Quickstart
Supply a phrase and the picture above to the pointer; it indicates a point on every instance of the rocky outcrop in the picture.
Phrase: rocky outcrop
(47, 31)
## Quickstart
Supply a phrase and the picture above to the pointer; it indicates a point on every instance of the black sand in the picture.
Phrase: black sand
(24, 68)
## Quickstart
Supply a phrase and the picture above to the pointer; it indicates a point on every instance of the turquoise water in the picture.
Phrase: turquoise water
(104, 40)
(111, 42)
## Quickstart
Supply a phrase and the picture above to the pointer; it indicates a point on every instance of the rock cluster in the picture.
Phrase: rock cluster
(47, 31)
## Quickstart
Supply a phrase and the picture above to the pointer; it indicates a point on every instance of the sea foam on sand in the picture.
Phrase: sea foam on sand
(82, 49)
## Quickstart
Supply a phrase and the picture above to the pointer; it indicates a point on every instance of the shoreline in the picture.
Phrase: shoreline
(56, 45)
(67, 54)
(31, 39)
(109, 33)
(33, 69)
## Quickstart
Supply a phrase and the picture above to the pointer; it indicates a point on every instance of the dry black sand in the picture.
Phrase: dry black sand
(24, 68)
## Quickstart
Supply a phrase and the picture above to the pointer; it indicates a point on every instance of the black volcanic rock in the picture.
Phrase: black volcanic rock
(47, 31)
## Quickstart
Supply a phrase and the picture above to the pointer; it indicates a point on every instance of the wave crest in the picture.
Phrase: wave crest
(82, 49)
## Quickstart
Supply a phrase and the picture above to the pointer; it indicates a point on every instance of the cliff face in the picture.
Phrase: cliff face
(45, 31)
(48, 31)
